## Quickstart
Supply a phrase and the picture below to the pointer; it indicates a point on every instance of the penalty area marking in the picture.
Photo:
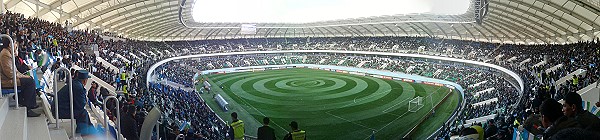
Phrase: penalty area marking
(351, 121)
(403, 114)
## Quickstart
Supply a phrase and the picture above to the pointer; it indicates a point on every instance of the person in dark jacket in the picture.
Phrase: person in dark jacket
(93, 94)
(20, 64)
(573, 108)
(79, 100)
(265, 132)
(490, 129)
(129, 124)
(553, 119)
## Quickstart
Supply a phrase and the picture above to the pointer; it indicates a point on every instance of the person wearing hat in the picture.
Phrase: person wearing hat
(236, 128)
(79, 100)
(296, 133)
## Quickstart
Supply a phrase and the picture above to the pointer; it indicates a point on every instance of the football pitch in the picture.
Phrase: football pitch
(330, 105)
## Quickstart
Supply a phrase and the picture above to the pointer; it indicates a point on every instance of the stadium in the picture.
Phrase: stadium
(294, 70)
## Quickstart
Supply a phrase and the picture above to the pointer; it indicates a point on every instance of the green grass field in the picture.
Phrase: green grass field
(330, 105)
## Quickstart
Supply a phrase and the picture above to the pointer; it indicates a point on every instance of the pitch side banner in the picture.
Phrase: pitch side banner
(377, 76)
(357, 73)
(408, 80)
(244, 70)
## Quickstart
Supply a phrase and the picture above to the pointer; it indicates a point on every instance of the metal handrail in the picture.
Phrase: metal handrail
(14, 68)
(106, 116)
(180, 136)
(55, 90)
(159, 122)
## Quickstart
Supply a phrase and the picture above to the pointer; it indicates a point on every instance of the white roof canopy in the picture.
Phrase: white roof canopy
(509, 21)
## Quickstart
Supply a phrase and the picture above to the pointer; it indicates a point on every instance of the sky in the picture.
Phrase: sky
(303, 11)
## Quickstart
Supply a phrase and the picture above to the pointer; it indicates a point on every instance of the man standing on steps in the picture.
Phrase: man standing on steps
(236, 128)
(265, 132)
(296, 133)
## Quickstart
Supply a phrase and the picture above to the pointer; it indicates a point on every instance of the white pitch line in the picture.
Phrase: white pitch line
(350, 121)
(385, 111)
(403, 114)
(257, 111)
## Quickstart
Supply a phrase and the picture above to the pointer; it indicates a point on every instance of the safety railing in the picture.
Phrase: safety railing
(158, 123)
(14, 69)
(150, 122)
(106, 117)
(55, 89)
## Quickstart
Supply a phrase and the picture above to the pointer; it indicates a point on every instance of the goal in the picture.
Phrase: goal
(415, 104)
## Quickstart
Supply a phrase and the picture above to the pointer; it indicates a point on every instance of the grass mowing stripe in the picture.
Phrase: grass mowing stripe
(372, 97)
(400, 115)
(250, 105)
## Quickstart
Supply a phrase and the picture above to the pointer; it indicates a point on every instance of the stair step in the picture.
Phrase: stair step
(15, 125)
(3, 109)
(37, 128)
(59, 134)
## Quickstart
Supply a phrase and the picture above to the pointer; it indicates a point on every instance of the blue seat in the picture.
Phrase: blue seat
(36, 80)
(9, 91)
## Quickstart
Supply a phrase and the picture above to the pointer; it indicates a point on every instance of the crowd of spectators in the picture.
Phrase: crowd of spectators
(582, 55)
(176, 72)
(34, 35)
(187, 109)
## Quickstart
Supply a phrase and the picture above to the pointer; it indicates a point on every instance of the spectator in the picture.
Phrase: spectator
(25, 83)
(129, 125)
(296, 133)
(93, 94)
(490, 129)
(573, 108)
(575, 134)
(84, 126)
(265, 132)
(469, 134)
(553, 119)
(236, 128)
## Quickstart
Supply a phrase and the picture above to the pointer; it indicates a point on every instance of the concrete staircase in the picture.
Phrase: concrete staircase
(15, 125)
(107, 64)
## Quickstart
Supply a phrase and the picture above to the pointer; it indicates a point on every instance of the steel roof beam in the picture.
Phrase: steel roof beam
(523, 27)
(544, 20)
(574, 14)
(129, 11)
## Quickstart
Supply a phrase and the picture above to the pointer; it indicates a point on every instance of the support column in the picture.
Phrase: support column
(2, 7)
(37, 9)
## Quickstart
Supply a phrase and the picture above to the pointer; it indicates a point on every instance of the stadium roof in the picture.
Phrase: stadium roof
(509, 21)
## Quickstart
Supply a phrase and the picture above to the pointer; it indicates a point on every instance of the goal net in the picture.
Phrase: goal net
(415, 104)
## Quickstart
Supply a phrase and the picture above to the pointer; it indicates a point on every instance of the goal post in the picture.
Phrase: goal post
(415, 104)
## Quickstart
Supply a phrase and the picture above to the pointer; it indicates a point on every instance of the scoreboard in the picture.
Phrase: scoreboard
(248, 29)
